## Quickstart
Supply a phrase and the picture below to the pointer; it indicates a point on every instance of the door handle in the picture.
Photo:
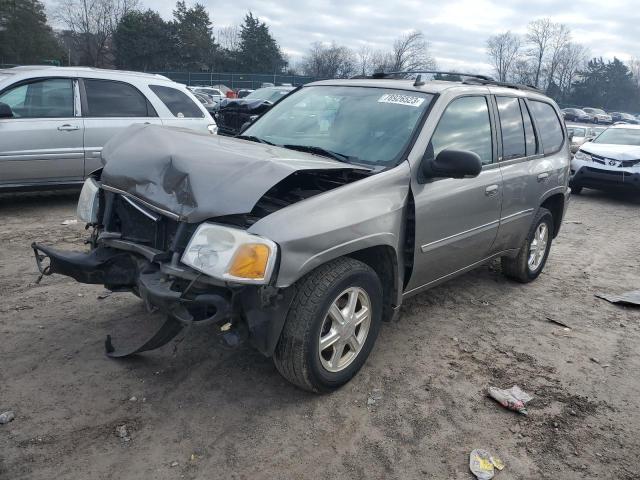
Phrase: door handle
(543, 177)
(68, 128)
(491, 190)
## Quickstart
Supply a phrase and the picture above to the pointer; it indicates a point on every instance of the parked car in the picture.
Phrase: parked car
(623, 117)
(54, 121)
(209, 104)
(576, 115)
(214, 94)
(306, 232)
(611, 161)
(579, 135)
(599, 116)
(243, 92)
(232, 114)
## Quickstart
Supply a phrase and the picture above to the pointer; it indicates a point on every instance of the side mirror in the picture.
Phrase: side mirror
(452, 164)
(5, 111)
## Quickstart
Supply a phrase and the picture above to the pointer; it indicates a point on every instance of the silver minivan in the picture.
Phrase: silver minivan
(54, 121)
(305, 232)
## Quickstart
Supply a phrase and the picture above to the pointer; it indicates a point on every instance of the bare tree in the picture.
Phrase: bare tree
(634, 66)
(573, 58)
(540, 32)
(329, 61)
(382, 61)
(503, 51)
(229, 38)
(560, 38)
(523, 72)
(411, 52)
(365, 59)
(92, 23)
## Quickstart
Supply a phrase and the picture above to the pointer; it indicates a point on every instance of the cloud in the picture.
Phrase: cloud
(457, 29)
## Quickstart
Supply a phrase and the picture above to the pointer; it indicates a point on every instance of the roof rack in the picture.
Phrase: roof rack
(467, 79)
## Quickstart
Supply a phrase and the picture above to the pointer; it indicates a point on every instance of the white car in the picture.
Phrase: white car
(610, 161)
(54, 121)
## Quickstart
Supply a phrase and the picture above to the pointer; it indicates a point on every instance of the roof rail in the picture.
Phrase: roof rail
(516, 86)
(434, 72)
(467, 79)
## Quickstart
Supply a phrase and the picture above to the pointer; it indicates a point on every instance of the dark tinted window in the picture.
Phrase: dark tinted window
(41, 99)
(512, 128)
(107, 98)
(178, 103)
(464, 125)
(549, 126)
(529, 133)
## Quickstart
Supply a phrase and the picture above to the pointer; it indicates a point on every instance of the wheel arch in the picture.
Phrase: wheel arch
(555, 203)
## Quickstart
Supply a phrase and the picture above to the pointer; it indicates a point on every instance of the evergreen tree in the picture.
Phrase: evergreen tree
(25, 36)
(258, 51)
(193, 37)
(143, 41)
(607, 85)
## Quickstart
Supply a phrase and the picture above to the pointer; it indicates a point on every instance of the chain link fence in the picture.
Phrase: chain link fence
(237, 80)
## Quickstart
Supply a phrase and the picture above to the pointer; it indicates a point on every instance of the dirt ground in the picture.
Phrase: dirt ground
(416, 410)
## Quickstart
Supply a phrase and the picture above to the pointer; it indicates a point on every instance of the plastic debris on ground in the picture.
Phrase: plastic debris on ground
(6, 417)
(484, 465)
(514, 399)
(627, 298)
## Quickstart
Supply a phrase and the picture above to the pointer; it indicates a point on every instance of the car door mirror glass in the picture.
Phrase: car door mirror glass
(452, 164)
(5, 111)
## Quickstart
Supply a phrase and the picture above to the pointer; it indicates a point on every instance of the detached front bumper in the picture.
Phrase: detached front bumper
(603, 177)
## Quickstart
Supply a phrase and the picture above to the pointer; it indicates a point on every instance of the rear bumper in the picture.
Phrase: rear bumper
(592, 175)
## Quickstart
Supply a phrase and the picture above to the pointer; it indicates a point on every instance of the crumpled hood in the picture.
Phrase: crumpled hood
(198, 175)
(615, 152)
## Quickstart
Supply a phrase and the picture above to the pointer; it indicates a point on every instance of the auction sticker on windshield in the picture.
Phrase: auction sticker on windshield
(398, 99)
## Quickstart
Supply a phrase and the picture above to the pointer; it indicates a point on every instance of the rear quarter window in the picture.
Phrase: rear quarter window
(178, 102)
(549, 126)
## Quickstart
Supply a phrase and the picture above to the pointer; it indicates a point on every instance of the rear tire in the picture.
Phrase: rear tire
(533, 253)
(299, 355)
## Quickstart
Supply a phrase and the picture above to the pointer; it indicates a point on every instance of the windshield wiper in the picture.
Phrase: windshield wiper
(319, 151)
(252, 138)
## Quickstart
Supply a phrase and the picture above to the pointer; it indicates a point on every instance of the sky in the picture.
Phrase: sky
(456, 29)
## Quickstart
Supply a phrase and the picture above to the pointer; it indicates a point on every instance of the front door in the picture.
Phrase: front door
(457, 219)
(42, 143)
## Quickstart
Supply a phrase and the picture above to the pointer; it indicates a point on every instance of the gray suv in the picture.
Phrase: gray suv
(54, 121)
(309, 229)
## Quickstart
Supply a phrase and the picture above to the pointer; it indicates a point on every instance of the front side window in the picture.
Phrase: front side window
(107, 98)
(465, 125)
(549, 126)
(365, 125)
(49, 98)
(512, 126)
(178, 102)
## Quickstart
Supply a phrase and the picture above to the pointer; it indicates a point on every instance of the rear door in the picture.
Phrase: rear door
(42, 143)
(457, 219)
(108, 106)
(182, 110)
(529, 144)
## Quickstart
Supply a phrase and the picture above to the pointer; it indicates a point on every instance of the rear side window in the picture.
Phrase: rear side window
(464, 125)
(529, 133)
(512, 126)
(108, 98)
(178, 103)
(549, 126)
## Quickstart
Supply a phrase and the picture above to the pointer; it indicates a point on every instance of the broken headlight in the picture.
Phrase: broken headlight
(230, 254)
(88, 202)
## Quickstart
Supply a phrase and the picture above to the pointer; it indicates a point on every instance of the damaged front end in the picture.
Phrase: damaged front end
(199, 267)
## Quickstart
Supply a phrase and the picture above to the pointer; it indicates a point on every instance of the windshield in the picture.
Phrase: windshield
(619, 136)
(577, 132)
(268, 94)
(365, 125)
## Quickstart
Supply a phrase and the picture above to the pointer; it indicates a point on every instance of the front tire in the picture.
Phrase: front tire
(533, 254)
(331, 326)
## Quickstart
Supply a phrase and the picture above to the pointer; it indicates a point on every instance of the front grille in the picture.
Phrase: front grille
(136, 223)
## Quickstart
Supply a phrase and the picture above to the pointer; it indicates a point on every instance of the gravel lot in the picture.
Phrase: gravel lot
(416, 410)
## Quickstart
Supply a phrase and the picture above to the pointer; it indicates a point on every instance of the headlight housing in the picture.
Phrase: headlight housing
(580, 155)
(231, 254)
(89, 202)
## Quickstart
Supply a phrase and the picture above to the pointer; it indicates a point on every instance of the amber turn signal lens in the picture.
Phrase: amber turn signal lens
(250, 261)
